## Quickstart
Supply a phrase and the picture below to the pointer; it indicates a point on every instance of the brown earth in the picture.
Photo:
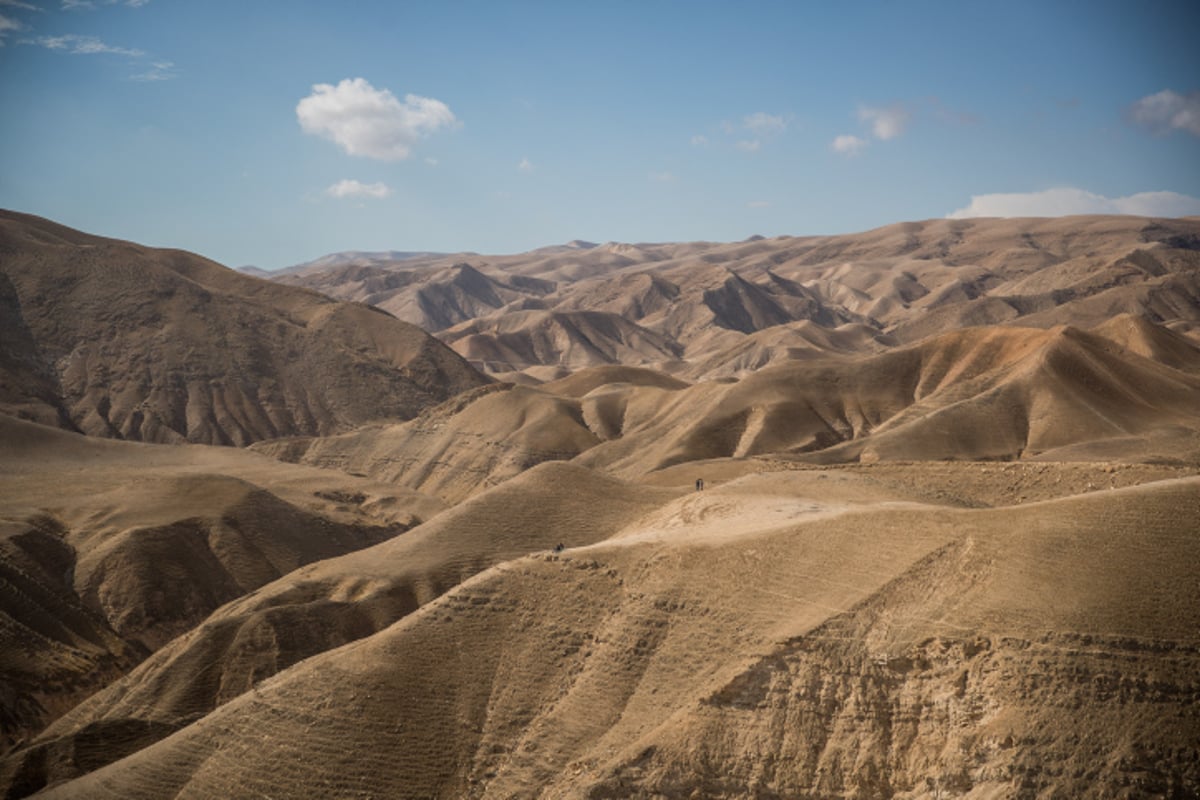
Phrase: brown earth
(793, 634)
(946, 547)
(709, 310)
(110, 549)
(1129, 388)
(114, 339)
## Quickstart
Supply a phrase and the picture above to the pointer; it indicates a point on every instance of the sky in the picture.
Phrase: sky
(270, 133)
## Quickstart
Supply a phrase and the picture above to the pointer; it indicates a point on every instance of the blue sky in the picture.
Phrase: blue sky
(270, 133)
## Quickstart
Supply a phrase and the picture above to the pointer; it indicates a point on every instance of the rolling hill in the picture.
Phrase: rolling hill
(710, 303)
(109, 549)
(114, 339)
(992, 393)
(909, 513)
(773, 636)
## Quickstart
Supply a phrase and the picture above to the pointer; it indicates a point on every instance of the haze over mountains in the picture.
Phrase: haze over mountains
(453, 546)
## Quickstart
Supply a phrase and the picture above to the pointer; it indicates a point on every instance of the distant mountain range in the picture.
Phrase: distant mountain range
(701, 310)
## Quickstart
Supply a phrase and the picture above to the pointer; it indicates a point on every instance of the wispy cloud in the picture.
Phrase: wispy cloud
(1065, 201)
(19, 4)
(886, 123)
(83, 45)
(1168, 111)
(370, 122)
(763, 123)
(848, 144)
(158, 71)
(662, 177)
(352, 188)
(74, 5)
(525, 165)
(758, 204)
(749, 134)
(7, 26)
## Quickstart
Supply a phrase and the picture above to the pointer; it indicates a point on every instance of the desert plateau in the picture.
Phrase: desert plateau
(432, 527)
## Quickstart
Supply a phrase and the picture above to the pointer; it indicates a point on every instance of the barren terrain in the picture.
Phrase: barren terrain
(946, 544)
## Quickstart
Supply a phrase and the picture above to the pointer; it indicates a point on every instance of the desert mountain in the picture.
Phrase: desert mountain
(944, 544)
(114, 339)
(564, 341)
(804, 633)
(323, 606)
(142, 542)
(433, 298)
(361, 257)
(994, 393)
(706, 303)
(475, 441)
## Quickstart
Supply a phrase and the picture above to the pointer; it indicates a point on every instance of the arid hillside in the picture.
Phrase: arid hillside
(114, 339)
(707, 310)
(108, 550)
(794, 633)
(905, 515)
(994, 393)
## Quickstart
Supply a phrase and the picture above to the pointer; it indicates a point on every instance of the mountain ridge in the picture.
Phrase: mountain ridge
(119, 340)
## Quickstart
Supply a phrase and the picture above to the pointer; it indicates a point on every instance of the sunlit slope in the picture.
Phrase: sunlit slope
(709, 310)
(463, 446)
(746, 643)
(109, 549)
(327, 604)
(979, 393)
(974, 394)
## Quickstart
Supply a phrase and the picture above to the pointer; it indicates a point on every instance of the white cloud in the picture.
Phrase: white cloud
(886, 123)
(19, 4)
(763, 123)
(748, 145)
(71, 5)
(370, 122)
(758, 204)
(1065, 201)
(431, 161)
(1168, 111)
(662, 177)
(848, 144)
(699, 141)
(158, 71)
(6, 26)
(525, 165)
(352, 188)
(83, 45)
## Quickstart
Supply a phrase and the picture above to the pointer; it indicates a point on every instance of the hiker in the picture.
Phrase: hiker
(699, 484)
(558, 548)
